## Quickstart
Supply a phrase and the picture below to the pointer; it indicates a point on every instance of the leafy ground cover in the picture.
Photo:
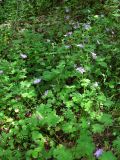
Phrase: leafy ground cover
(59, 80)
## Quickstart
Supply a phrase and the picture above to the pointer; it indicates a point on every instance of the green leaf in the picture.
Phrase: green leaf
(116, 144)
(101, 98)
(108, 156)
(52, 119)
(85, 82)
(28, 94)
(35, 153)
(85, 145)
(36, 135)
(84, 123)
(1, 151)
(106, 119)
(108, 103)
(69, 127)
(61, 153)
(47, 76)
(97, 128)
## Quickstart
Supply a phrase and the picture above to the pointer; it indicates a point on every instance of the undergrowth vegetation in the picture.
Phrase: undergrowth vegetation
(59, 80)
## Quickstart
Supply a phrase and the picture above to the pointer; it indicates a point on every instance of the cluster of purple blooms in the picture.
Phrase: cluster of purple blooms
(80, 69)
(36, 81)
(76, 25)
(98, 153)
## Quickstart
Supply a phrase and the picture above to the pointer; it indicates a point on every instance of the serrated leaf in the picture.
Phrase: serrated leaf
(106, 119)
(116, 144)
(108, 156)
(47, 75)
(68, 127)
(97, 128)
(36, 135)
(85, 145)
(61, 153)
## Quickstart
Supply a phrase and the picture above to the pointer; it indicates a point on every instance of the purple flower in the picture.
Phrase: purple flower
(37, 81)
(67, 46)
(80, 69)
(67, 17)
(86, 26)
(67, 10)
(98, 152)
(24, 56)
(80, 45)
(1, 71)
(68, 34)
(94, 56)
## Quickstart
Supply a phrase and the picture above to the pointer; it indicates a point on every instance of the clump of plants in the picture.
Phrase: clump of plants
(59, 80)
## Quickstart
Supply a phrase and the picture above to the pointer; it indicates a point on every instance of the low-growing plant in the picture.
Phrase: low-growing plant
(59, 93)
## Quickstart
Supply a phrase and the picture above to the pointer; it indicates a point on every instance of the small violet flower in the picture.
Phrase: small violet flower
(80, 45)
(80, 69)
(67, 10)
(24, 56)
(67, 17)
(94, 56)
(98, 152)
(68, 34)
(1, 71)
(87, 26)
(37, 81)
